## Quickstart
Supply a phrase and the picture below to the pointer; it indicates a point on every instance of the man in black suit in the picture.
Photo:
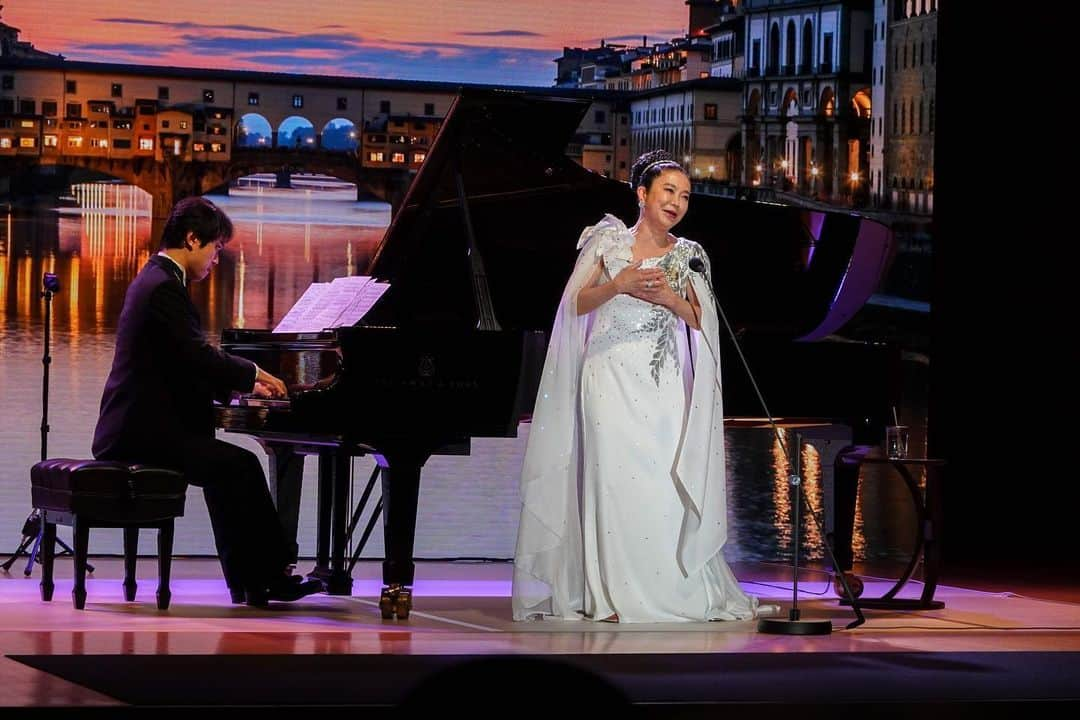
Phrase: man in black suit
(157, 406)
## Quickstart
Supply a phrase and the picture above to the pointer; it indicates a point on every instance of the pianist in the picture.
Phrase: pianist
(157, 406)
(629, 410)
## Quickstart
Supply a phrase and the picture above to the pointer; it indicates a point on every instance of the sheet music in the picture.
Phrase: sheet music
(343, 301)
(306, 307)
(358, 307)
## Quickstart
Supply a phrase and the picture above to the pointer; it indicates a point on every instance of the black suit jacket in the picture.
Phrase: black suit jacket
(165, 375)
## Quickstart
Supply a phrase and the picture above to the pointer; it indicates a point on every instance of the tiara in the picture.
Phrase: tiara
(655, 163)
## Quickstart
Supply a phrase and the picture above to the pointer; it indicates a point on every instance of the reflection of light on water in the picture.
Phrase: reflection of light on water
(241, 268)
(783, 493)
(780, 489)
(23, 281)
(5, 259)
(811, 483)
(99, 291)
(73, 297)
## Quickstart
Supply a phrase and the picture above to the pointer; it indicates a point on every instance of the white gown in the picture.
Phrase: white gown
(623, 497)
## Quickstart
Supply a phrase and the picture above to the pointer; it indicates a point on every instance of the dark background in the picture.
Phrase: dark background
(1004, 359)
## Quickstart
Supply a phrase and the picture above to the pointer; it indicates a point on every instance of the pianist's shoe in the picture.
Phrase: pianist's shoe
(239, 596)
(286, 589)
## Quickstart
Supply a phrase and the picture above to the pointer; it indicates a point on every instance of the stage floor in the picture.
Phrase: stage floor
(985, 646)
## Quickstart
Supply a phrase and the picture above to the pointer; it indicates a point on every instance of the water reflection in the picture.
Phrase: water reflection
(285, 240)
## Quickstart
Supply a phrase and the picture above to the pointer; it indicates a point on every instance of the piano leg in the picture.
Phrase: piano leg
(401, 492)
(286, 480)
(334, 467)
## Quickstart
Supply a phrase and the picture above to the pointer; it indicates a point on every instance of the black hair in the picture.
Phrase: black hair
(649, 165)
(200, 217)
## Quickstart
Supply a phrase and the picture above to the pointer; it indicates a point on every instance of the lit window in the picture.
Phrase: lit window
(199, 147)
(5, 142)
(74, 141)
(99, 143)
(419, 157)
(375, 157)
(52, 140)
(183, 124)
(146, 143)
(27, 123)
(397, 157)
(217, 147)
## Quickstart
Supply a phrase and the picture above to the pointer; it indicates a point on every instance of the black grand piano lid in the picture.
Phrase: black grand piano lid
(780, 271)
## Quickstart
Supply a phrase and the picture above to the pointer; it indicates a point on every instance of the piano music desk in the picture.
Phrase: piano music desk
(928, 518)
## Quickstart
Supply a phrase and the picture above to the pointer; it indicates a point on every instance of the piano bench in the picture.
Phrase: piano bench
(97, 493)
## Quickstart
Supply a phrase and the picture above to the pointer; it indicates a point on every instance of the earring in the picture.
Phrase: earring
(641, 204)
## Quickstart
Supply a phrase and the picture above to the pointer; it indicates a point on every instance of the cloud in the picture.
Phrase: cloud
(468, 64)
(291, 43)
(189, 25)
(337, 54)
(148, 50)
(501, 33)
(438, 45)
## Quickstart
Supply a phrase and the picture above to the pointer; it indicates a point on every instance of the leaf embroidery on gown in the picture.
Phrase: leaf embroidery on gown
(614, 249)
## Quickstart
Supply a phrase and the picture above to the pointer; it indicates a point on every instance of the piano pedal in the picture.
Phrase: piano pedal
(395, 600)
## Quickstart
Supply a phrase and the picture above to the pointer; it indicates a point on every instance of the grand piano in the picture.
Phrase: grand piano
(477, 256)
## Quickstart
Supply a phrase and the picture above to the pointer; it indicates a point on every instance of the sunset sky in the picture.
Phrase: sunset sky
(486, 41)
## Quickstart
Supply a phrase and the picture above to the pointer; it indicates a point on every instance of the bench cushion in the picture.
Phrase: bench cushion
(107, 492)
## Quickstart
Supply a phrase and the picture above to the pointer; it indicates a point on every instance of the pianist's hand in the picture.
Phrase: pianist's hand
(268, 386)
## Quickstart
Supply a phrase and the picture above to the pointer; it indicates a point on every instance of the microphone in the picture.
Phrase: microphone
(697, 265)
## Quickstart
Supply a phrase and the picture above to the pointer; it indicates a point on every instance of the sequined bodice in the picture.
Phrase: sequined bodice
(626, 320)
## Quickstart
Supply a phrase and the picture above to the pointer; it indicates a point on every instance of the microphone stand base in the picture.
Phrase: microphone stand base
(776, 626)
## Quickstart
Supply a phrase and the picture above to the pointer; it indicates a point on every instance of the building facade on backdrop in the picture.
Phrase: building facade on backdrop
(904, 180)
(807, 96)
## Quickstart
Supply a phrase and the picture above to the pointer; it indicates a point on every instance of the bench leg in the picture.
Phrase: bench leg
(131, 553)
(81, 531)
(165, 544)
(48, 554)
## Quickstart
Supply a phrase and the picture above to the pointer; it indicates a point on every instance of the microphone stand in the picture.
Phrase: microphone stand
(32, 528)
(794, 625)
